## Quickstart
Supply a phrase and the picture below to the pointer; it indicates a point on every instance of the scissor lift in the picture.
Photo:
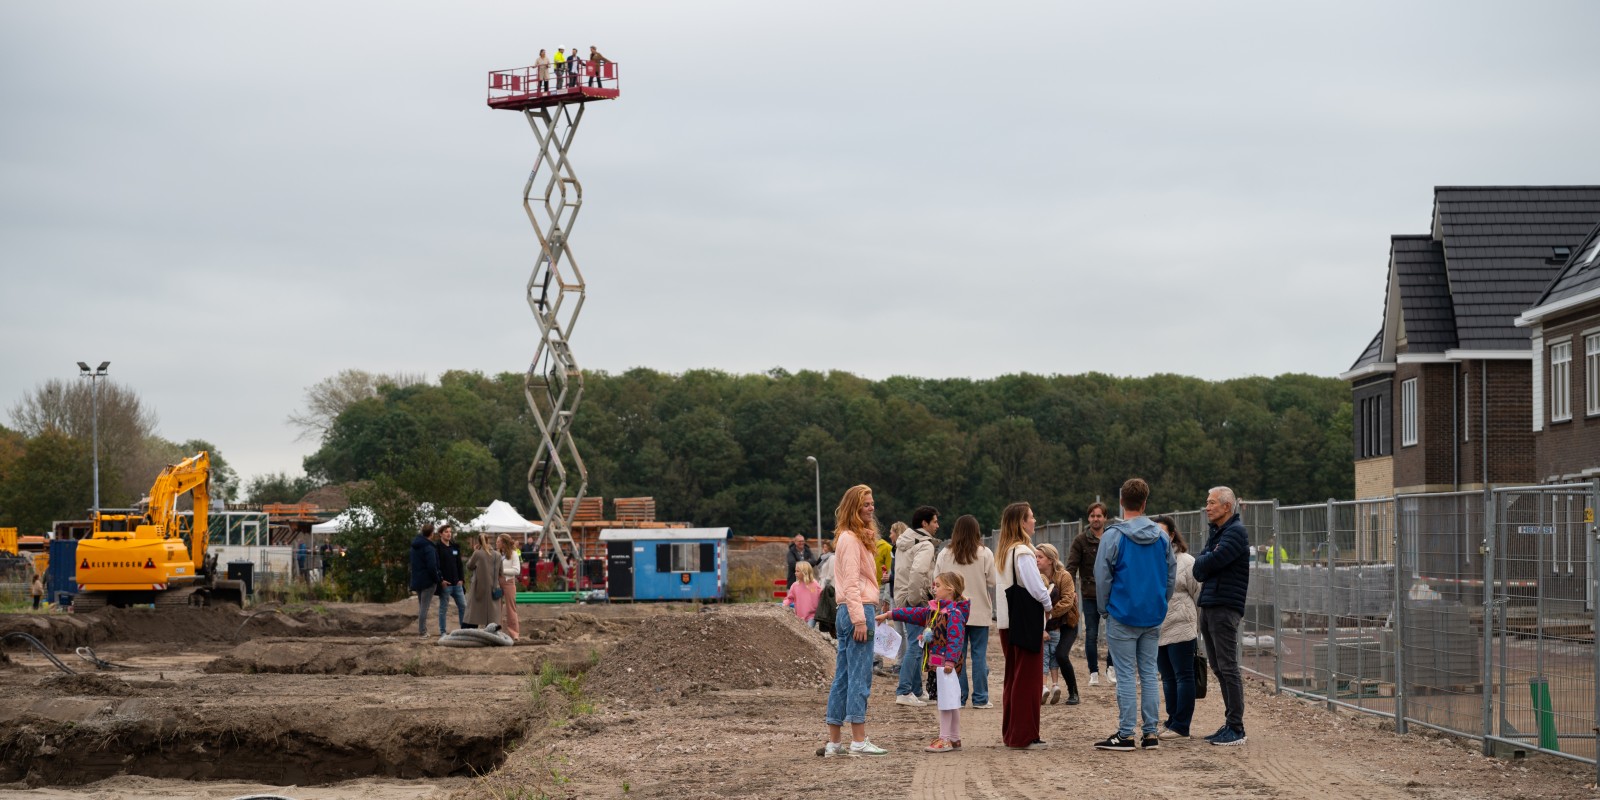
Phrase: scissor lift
(555, 289)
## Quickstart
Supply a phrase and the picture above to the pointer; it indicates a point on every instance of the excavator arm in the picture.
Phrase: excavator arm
(189, 476)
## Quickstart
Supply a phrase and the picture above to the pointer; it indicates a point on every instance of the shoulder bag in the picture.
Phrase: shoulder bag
(1025, 614)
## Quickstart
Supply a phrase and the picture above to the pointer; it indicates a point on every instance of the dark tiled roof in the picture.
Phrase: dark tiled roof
(1370, 355)
(1498, 247)
(1425, 304)
(1575, 277)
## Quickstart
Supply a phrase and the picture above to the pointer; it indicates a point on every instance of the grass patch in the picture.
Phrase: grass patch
(569, 688)
(749, 584)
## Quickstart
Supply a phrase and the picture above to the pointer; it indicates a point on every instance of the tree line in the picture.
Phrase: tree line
(47, 454)
(722, 449)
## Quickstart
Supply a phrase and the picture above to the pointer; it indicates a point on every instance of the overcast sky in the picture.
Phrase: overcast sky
(232, 201)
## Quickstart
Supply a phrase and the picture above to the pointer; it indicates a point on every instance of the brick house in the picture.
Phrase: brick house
(1443, 393)
(1565, 326)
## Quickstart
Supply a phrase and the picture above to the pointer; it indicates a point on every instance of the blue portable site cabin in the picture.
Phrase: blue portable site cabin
(666, 563)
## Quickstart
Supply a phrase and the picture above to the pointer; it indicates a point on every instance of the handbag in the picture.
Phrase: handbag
(1025, 614)
(1199, 676)
(497, 593)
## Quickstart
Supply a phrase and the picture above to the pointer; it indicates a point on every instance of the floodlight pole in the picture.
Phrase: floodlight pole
(817, 469)
(94, 377)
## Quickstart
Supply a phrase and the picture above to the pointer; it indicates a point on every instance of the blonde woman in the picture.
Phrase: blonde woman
(484, 566)
(1061, 625)
(855, 578)
(1019, 721)
(510, 570)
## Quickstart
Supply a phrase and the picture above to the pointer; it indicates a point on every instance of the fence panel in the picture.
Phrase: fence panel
(1441, 589)
(1258, 629)
(1300, 588)
(1356, 662)
(1542, 634)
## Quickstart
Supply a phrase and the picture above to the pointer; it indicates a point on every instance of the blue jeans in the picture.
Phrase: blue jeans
(1091, 638)
(1176, 663)
(976, 657)
(1129, 646)
(453, 590)
(852, 670)
(1050, 651)
(425, 599)
(911, 661)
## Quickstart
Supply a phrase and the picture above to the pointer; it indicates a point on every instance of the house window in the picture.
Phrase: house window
(1591, 252)
(1591, 371)
(1561, 382)
(1408, 413)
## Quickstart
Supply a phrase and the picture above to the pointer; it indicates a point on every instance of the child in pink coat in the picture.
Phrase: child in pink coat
(804, 593)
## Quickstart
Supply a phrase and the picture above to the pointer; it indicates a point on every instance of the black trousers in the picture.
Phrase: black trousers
(1069, 637)
(1221, 628)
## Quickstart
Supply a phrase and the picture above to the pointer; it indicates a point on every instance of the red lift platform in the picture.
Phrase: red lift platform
(520, 89)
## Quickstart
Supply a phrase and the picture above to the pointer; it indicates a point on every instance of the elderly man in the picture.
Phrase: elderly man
(1223, 568)
(798, 551)
(913, 586)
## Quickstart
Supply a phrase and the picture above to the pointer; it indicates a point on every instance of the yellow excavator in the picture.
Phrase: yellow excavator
(143, 559)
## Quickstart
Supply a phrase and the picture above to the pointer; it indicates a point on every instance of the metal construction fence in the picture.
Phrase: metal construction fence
(1470, 612)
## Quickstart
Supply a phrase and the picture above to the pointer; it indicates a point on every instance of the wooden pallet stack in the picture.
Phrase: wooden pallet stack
(634, 509)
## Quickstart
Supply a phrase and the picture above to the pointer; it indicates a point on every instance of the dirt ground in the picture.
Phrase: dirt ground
(345, 701)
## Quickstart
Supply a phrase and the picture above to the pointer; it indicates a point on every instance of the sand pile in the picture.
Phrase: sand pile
(767, 557)
(723, 647)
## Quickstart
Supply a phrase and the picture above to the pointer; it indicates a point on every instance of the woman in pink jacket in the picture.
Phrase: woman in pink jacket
(855, 580)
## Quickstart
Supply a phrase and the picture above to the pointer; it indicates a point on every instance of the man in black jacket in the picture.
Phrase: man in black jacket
(425, 576)
(1223, 568)
(798, 551)
(450, 568)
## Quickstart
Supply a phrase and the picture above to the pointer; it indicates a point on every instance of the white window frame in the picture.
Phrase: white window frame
(1591, 372)
(1408, 412)
(1590, 253)
(1561, 381)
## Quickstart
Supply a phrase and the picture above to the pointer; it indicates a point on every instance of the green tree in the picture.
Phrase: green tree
(277, 487)
(52, 480)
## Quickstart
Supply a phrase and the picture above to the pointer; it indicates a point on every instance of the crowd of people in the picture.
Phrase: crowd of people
(569, 66)
(483, 585)
(1131, 577)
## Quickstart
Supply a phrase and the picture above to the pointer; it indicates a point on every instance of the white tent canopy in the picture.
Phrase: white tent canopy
(364, 516)
(500, 517)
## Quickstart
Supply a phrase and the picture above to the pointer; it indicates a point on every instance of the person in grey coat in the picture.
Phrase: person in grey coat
(484, 567)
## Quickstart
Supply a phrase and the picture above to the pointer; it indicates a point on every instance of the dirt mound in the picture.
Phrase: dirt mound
(767, 557)
(195, 625)
(725, 647)
(87, 684)
(373, 657)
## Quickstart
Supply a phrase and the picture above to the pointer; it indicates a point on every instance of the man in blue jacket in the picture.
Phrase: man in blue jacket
(1223, 569)
(426, 579)
(1133, 574)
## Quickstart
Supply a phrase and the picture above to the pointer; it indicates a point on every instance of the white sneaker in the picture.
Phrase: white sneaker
(1111, 675)
(908, 700)
(865, 747)
(1094, 679)
(832, 749)
(1044, 696)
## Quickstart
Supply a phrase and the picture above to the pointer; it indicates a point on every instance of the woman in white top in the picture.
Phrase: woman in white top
(1178, 640)
(1019, 725)
(510, 571)
(966, 556)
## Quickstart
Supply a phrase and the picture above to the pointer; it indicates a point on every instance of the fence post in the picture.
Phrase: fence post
(1594, 553)
(1487, 549)
(1400, 619)
(1333, 652)
(1277, 615)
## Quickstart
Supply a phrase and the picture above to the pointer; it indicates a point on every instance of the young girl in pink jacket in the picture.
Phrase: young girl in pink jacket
(804, 593)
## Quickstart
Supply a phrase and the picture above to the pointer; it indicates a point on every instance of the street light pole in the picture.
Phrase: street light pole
(817, 468)
(94, 377)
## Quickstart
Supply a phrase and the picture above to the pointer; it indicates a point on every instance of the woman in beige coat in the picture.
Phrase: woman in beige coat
(1179, 632)
(484, 566)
